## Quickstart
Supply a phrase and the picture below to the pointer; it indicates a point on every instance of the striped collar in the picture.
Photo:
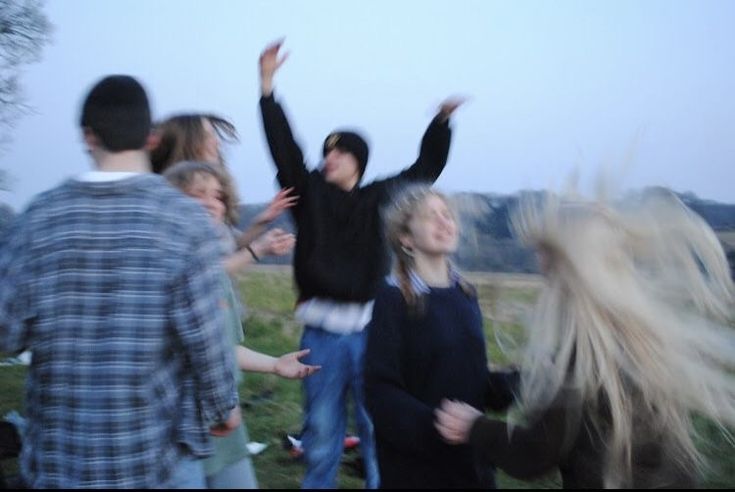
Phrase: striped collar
(419, 285)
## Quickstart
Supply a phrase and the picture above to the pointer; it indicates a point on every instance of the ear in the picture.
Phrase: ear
(153, 140)
(91, 141)
(406, 241)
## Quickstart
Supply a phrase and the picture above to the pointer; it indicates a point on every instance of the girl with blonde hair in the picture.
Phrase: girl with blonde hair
(628, 340)
(426, 343)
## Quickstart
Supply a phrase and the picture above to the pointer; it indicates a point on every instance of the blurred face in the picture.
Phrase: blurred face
(433, 228)
(210, 145)
(341, 169)
(207, 190)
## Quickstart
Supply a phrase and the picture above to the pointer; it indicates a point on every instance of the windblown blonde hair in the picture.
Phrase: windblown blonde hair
(633, 318)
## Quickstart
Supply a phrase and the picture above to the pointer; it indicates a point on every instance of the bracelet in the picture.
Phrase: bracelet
(255, 257)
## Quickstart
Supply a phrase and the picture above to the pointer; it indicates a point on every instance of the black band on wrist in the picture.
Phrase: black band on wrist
(255, 257)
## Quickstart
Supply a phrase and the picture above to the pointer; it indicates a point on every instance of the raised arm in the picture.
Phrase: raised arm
(287, 155)
(434, 149)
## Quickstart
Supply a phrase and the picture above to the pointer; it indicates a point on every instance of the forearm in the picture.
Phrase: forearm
(250, 360)
(502, 387)
(523, 452)
(237, 261)
(433, 154)
(248, 236)
(266, 85)
(286, 154)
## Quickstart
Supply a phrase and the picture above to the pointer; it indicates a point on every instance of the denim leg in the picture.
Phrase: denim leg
(187, 474)
(325, 408)
(239, 475)
(362, 417)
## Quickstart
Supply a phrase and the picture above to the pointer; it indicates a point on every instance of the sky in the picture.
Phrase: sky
(644, 90)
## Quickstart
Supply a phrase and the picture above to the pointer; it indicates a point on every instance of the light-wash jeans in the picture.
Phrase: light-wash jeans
(187, 474)
(239, 475)
(342, 358)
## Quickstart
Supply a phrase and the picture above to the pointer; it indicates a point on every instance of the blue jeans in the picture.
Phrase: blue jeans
(342, 358)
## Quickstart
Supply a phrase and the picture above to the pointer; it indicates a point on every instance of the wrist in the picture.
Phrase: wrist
(253, 253)
(266, 86)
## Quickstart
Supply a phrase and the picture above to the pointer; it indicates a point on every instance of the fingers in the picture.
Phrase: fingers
(447, 427)
(273, 47)
(301, 353)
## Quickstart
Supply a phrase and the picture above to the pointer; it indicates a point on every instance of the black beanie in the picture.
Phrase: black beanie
(348, 142)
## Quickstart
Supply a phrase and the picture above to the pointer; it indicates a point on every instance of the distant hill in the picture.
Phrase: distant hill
(487, 244)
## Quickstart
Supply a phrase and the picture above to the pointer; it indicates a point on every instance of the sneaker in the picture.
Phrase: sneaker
(351, 442)
(293, 446)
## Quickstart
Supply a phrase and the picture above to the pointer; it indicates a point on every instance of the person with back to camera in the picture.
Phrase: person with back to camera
(111, 280)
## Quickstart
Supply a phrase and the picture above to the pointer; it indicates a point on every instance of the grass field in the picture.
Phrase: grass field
(272, 406)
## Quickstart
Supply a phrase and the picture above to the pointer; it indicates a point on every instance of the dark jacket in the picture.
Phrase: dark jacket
(340, 248)
(565, 436)
(412, 362)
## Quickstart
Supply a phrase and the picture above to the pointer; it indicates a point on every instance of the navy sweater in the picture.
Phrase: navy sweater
(340, 252)
(411, 364)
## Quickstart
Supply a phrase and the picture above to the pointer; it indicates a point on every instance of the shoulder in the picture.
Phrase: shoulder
(183, 222)
(389, 292)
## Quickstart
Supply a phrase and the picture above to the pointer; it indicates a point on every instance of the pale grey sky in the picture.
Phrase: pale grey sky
(645, 88)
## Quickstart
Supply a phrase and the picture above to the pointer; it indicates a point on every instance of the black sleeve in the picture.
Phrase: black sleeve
(525, 452)
(501, 389)
(432, 155)
(398, 417)
(286, 154)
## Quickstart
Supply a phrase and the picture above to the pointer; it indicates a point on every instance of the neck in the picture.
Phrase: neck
(348, 185)
(132, 161)
(434, 270)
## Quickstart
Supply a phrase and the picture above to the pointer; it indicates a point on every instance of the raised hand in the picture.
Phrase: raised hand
(449, 106)
(288, 366)
(282, 201)
(269, 63)
(453, 421)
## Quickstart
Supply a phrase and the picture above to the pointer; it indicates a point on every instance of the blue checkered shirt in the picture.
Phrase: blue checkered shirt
(114, 288)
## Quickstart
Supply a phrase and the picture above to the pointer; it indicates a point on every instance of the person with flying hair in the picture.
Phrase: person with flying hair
(628, 340)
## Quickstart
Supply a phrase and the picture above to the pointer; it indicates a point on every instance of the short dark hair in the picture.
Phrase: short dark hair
(116, 110)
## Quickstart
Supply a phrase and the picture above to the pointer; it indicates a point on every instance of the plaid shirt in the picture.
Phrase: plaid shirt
(114, 288)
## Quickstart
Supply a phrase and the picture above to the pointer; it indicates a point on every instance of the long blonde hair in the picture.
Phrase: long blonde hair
(633, 318)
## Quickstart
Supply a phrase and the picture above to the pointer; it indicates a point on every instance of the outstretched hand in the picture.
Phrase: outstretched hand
(453, 421)
(281, 202)
(275, 242)
(269, 64)
(288, 366)
(449, 106)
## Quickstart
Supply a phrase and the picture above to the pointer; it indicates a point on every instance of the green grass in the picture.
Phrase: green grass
(272, 406)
